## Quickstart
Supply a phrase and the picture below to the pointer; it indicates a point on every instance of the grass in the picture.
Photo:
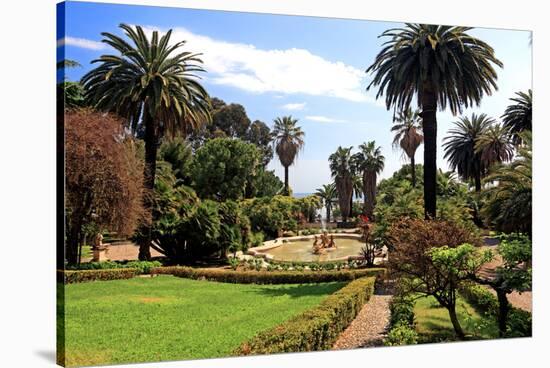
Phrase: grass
(171, 318)
(434, 325)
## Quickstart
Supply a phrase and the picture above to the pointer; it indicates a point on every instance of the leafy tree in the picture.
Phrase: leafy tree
(260, 134)
(231, 120)
(518, 116)
(460, 147)
(440, 66)
(103, 178)
(272, 216)
(308, 207)
(288, 141)
(223, 168)
(153, 84)
(342, 171)
(515, 274)
(408, 135)
(509, 203)
(369, 162)
(433, 257)
(264, 184)
(328, 195)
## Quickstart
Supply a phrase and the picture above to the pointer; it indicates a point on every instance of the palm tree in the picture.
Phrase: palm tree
(495, 145)
(328, 194)
(288, 141)
(460, 147)
(518, 116)
(151, 84)
(341, 170)
(509, 203)
(439, 66)
(408, 136)
(370, 162)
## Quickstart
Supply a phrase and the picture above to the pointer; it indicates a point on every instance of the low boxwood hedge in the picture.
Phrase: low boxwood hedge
(402, 329)
(71, 277)
(317, 328)
(265, 277)
(519, 320)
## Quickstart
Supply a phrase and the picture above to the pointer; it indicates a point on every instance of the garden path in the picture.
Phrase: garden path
(126, 251)
(370, 326)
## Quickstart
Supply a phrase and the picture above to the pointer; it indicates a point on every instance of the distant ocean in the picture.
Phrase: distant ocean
(302, 195)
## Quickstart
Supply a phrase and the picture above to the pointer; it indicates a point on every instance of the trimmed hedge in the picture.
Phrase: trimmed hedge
(143, 266)
(71, 277)
(265, 277)
(519, 321)
(317, 328)
(402, 324)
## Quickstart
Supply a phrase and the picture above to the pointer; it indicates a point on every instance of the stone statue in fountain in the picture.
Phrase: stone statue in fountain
(326, 243)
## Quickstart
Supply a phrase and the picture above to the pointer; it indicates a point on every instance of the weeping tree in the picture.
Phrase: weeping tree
(153, 84)
(288, 141)
(407, 127)
(440, 67)
(328, 194)
(369, 161)
(460, 147)
(518, 116)
(341, 171)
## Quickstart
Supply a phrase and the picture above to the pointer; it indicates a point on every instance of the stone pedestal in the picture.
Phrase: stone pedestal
(99, 254)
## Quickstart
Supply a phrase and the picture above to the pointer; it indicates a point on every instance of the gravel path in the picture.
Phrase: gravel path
(369, 327)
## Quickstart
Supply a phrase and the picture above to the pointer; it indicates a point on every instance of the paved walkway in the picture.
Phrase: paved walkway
(369, 327)
(124, 252)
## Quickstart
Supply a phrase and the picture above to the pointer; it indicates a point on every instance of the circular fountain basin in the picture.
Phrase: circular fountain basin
(300, 249)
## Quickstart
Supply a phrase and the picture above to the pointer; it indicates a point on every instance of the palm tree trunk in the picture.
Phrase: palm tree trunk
(287, 189)
(429, 124)
(151, 146)
(365, 194)
(413, 171)
(477, 180)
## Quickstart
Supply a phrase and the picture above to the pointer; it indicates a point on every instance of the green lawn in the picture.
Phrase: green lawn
(170, 318)
(433, 323)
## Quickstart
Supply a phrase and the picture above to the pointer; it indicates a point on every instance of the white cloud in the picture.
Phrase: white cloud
(82, 43)
(324, 119)
(294, 106)
(288, 71)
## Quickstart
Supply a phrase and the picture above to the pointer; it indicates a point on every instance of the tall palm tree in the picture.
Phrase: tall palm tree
(152, 84)
(518, 116)
(408, 135)
(328, 194)
(495, 145)
(460, 147)
(342, 172)
(440, 67)
(288, 141)
(369, 161)
(509, 203)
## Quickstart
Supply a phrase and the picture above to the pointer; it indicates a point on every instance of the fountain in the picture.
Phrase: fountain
(327, 243)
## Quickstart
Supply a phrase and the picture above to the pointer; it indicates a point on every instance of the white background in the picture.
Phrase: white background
(27, 181)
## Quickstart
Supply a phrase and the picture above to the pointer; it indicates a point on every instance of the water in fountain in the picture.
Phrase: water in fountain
(323, 219)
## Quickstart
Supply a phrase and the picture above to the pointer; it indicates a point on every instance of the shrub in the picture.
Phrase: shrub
(143, 267)
(317, 328)
(401, 334)
(71, 277)
(519, 321)
(265, 277)
(402, 324)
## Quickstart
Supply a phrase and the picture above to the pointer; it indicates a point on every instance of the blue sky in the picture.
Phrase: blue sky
(275, 65)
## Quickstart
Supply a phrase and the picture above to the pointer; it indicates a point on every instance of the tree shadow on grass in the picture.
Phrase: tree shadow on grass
(299, 290)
